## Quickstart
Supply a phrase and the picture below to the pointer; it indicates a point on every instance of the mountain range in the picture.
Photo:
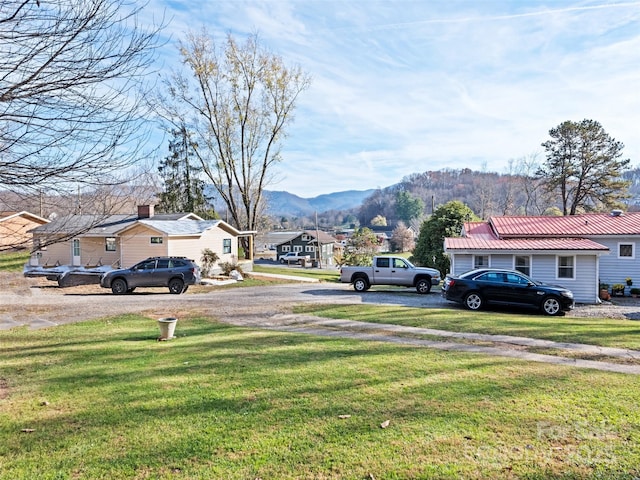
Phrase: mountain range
(288, 204)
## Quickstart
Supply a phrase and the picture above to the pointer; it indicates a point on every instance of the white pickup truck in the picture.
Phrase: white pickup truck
(388, 270)
(294, 257)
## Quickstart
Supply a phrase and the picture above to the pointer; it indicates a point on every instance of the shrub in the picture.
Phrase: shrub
(208, 259)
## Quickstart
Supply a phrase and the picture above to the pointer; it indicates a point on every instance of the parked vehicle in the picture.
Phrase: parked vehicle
(176, 273)
(388, 270)
(294, 257)
(477, 288)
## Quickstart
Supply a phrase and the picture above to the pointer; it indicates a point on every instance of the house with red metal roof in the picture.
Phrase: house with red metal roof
(577, 252)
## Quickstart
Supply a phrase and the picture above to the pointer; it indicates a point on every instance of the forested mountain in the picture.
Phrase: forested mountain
(486, 193)
(288, 204)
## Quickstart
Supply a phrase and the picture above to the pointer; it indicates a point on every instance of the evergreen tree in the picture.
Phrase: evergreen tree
(408, 206)
(446, 221)
(180, 172)
(584, 166)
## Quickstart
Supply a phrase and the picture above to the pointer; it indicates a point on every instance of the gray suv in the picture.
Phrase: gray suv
(177, 273)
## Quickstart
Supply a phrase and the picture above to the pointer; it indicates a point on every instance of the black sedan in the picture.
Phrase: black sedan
(477, 288)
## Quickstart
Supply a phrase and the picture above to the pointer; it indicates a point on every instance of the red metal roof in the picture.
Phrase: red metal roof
(589, 224)
(481, 236)
(480, 243)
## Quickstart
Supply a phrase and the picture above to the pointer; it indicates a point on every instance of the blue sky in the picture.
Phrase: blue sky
(401, 87)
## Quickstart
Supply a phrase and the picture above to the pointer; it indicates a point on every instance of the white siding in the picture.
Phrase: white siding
(615, 269)
(543, 268)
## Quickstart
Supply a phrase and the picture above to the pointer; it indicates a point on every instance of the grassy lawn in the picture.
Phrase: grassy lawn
(104, 399)
(13, 261)
(593, 331)
(319, 274)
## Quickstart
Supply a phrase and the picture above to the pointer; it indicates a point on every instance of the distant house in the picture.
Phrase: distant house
(123, 240)
(15, 227)
(306, 242)
(578, 252)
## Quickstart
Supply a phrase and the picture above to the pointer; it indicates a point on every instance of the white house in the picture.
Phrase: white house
(578, 252)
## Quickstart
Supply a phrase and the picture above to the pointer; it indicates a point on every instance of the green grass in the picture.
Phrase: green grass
(323, 275)
(593, 331)
(13, 261)
(104, 399)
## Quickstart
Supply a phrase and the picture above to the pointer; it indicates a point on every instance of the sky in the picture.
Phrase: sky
(403, 87)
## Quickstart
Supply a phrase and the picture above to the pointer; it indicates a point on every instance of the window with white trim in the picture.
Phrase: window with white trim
(566, 267)
(480, 261)
(305, 238)
(110, 244)
(626, 250)
(522, 263)
(156, 240)
(286, 248)
(226, 245)
(297, 248)
(310, 248)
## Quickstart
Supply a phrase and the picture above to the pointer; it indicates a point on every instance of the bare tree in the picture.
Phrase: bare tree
(71, 78)
(239, 99)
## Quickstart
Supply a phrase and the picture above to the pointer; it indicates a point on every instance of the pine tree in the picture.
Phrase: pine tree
(180, 172)
(584, 166)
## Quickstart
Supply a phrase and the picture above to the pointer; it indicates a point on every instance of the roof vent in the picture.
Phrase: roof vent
(616, 213)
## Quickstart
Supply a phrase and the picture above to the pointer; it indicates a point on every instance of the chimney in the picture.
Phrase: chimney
(145, 211)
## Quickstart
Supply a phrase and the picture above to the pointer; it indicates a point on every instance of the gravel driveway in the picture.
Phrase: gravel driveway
(39, 303)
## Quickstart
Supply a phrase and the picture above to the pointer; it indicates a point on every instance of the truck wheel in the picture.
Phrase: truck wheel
(423, 285)
(360, 285)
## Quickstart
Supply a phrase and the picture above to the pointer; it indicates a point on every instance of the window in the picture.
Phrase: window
(382, 262)
(297, 248)
(110, 244)
(76, 248)
(566, 267)
(491, 277)
(156, 240)
(286, 248)
(517, 279)
(226, 245)
(522, 264)
(310, 248)
(163, 263)
(398, 263)
(305, 238)
(626, 250)
(480, 261)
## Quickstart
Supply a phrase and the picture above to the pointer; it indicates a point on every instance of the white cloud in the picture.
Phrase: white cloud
(401, 87)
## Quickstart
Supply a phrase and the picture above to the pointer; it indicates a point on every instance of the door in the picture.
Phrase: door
(382, 271)
(75, 252)
(141, 275)
(519, 290)
(400, 273)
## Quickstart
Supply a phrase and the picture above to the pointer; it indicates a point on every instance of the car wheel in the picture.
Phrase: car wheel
(119, 286)
(423, 285)
(473, 301)
(360, 285)
(176, 286)
(551, 306)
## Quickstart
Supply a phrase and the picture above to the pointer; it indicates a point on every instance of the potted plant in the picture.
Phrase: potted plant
(618, 289)
(635, 292)
(604, 291)
(628, 281)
